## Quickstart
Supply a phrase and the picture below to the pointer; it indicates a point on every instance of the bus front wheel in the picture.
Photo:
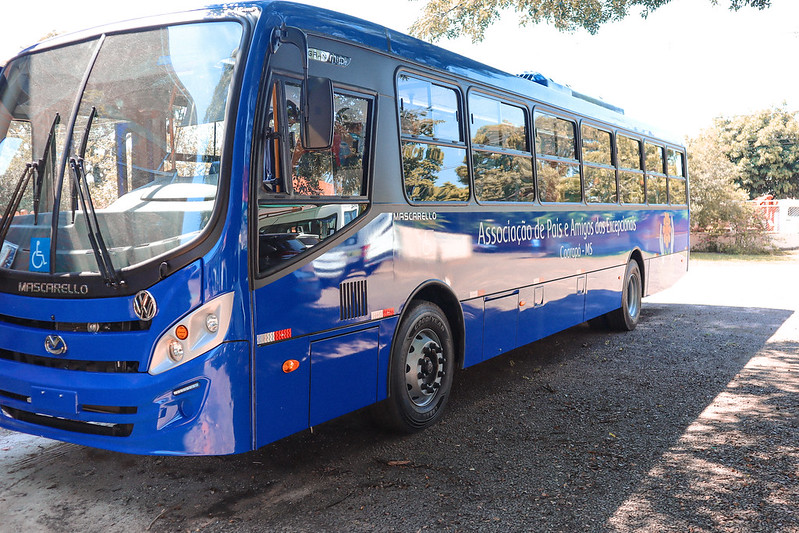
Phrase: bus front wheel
(422, 366)
(626, 317)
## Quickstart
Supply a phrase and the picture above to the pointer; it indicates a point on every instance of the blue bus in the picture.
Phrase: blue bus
(224, 226)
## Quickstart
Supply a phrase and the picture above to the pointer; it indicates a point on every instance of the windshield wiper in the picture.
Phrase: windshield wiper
(41, 168)
(22, 185)
(81, 154)
(16, 198)
(80, 191)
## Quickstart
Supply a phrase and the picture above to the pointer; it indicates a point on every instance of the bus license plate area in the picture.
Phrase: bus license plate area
(54, 400)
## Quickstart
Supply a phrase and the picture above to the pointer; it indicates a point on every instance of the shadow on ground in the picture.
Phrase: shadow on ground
(585, 430)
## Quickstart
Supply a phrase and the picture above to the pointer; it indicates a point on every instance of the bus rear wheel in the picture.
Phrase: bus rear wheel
(626, 317)
(421, 370)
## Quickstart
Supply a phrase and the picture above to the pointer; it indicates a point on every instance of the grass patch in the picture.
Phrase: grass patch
(778, 255)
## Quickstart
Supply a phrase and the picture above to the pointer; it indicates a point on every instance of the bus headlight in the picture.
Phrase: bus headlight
(175, 351)
(212, 323)
(195, 334)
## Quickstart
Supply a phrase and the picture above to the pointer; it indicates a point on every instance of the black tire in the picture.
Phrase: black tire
(421, 370)
(626, 317)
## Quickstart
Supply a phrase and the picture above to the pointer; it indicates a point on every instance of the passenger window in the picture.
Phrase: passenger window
(434, 161)
(497, 124)
(675, 165)
(631, 175)
(558, 172)
(554, 137)
(600, 176)
(656, 182)
(654, 158)
(629, 152)
(498, 132)
(596, 146)
(677, 191)
(428, 110)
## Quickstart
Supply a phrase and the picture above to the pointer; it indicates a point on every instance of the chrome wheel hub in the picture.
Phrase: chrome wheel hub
(424, 368)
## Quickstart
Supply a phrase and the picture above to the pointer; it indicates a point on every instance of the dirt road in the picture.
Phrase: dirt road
(691, 422)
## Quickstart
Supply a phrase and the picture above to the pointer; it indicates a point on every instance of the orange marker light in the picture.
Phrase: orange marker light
(182, 332)
(291, 365)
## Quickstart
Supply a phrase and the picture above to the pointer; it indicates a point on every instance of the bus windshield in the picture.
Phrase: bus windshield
(136, 168)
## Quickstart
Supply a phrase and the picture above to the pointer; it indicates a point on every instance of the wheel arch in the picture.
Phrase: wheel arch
(441, 294)
(639, 258)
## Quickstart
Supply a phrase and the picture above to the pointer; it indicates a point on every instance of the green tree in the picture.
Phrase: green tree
(719, 206)
(765, 148)
(453, 18)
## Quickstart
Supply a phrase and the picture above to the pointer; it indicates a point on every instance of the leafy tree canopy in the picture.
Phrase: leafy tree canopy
(453, 18)
(764, 147)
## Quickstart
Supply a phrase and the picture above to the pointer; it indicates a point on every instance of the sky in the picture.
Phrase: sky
(676, 70)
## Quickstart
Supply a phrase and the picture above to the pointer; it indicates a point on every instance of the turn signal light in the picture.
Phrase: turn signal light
(182, 332)
(291, 365)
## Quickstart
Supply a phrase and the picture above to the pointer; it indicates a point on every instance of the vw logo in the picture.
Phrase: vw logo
(55, 345)
(144, 305)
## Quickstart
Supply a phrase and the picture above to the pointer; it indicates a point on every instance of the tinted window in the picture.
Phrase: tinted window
(433, 169)
(656, 190)
(600, 185)
(497, 124)
(677, 191)
(558, 180)
(554, 136)
(435, 173)
(629, 152)
(600, 179)
(503, 177)
(654, 158)
(498, 130)
(674, 163)
(596, 146)
(428, 110)
(631, 187)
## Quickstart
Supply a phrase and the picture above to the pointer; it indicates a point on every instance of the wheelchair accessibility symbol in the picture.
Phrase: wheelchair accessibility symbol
(40, 255)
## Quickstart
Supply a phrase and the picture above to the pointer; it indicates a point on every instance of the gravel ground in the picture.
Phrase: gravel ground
(689, 423)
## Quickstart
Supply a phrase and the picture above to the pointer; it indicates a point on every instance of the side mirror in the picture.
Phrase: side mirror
(317, 131)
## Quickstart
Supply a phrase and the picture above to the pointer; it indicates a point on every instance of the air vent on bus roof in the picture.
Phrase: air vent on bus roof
(539, 78)
(546, 82)
(536, 77)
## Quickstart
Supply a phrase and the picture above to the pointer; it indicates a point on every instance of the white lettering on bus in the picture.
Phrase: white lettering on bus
(53, 288)
(414, 216)
(552, 228)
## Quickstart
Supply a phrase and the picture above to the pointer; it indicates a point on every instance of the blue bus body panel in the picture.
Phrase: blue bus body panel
(181, 293)
(500, 324)
(214, 417)
(343, 374)
(211, 418)
(562, 268)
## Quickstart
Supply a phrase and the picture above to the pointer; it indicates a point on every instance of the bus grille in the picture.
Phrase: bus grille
(125, 367)
(78, 327)
(353, 299)
(78, 426)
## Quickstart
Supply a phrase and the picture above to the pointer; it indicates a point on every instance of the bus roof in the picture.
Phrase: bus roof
(322, 22)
